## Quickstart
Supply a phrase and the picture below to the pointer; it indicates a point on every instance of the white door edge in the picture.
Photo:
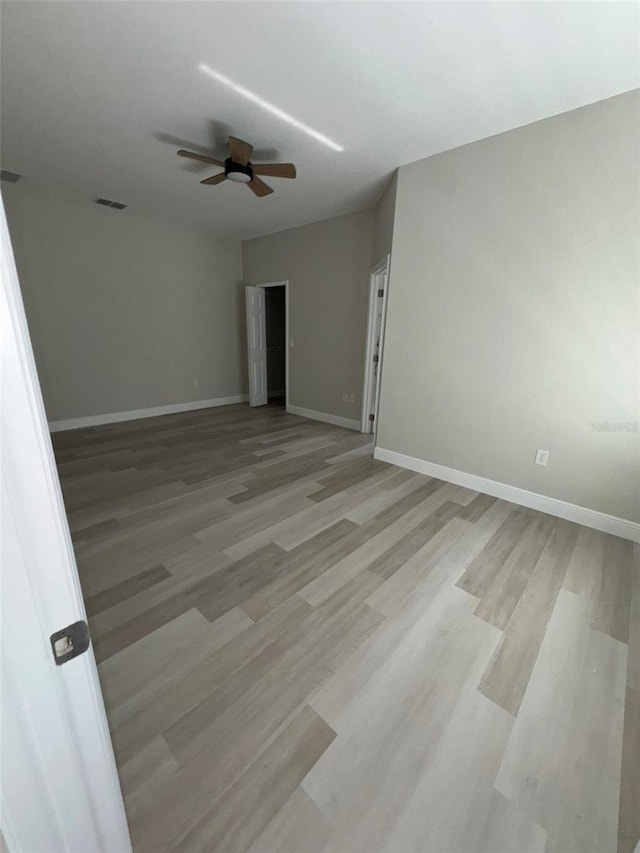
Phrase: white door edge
(62, 748)
(378, 277)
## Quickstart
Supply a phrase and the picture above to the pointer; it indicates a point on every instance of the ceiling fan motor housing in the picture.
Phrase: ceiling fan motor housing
(236, 172)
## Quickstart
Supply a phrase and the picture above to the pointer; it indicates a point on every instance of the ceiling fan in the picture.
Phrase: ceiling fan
(237, 167)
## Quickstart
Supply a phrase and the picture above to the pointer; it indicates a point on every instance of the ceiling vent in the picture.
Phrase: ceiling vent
(106, 202)
(10, 177)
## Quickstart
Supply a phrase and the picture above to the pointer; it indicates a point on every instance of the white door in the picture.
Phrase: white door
(378, 293)
(375, 358)
(256, 346)
(59, 789)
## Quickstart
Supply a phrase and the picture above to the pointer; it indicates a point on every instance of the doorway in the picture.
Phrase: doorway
(275, 310)
(378, 292)
(267, 308)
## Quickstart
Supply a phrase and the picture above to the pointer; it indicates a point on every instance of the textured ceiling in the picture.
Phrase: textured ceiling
(97, 96)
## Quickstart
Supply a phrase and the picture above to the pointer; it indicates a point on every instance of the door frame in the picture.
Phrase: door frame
(378, 278)
(57, 750)
(284, 284)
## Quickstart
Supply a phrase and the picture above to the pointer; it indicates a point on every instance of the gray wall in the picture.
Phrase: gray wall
(123, 312)
(327, 266)
(383, 216)
(514, 308)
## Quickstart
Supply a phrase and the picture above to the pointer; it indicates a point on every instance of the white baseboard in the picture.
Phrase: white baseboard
(622, 527)
(137, 414)
(336, 420)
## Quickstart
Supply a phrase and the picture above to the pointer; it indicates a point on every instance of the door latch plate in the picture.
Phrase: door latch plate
(70, 642)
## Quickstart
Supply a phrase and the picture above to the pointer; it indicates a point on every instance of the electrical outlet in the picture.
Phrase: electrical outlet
(345, 396)
(542, 457)
(352, 398)
(196, 382)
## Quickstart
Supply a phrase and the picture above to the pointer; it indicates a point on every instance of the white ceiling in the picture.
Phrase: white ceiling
(97, 96)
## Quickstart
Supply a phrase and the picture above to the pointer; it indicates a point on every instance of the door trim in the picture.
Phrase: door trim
(378, 276)
(284, 284)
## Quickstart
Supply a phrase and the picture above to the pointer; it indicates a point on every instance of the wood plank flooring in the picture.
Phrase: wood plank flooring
(303, 650)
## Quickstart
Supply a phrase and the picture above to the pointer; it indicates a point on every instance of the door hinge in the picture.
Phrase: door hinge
(376, 359)
(372, 417)
(70, 642)
(381, 293)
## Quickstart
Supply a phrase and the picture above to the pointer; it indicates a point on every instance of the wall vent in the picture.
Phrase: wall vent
(9, 177)
(108, 203)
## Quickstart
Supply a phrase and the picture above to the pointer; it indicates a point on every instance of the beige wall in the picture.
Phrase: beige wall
(327, 266)
(123, 312)
(383, 216)
(513, 308)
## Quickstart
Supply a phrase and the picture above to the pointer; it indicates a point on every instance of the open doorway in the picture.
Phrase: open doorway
(378, 292)
(267, 337)
(275, 311)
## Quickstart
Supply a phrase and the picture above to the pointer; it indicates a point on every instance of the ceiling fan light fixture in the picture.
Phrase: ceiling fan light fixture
(239, 169)
(237, 172)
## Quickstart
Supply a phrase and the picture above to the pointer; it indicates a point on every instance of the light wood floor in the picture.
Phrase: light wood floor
(306, 650)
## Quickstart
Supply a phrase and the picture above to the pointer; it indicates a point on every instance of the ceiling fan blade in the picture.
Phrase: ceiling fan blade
(240, 150)
(275, 170)
(259, 187)
(215, 179)
(201, 157)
